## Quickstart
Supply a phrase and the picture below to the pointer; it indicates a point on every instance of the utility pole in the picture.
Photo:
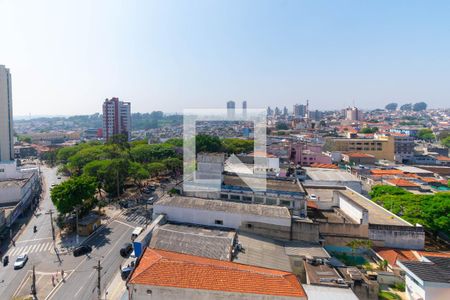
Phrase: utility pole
(77, 208)
(50, 212)
(117, 183)
(99, 268)
(33, 284)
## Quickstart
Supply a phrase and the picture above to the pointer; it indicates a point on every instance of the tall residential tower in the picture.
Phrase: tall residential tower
(116, 118)
(6, 117)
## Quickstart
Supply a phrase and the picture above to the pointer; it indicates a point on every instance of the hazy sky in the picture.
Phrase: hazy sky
(66, 57)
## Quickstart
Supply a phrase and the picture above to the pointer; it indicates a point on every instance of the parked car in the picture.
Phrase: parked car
(5, 260)
(20, 262)
(85, 249)
(126, 250)
(313, 197)
(137, 231)
(125, 272)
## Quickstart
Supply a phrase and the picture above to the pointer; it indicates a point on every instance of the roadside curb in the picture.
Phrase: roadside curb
(65, 251)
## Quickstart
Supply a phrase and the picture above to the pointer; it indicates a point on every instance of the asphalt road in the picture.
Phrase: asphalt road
(106, 243)
(81, 281)
(36, 245)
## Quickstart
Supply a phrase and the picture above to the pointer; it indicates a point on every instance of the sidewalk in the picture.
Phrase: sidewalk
(45, 283)
(67, 242)
(116, 289)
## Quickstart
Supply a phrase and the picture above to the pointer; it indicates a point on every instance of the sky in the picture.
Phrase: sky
(66, 57)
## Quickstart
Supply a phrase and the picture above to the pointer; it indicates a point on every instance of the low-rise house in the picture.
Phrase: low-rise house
(428, 279)
(358, 158)
(169, 275)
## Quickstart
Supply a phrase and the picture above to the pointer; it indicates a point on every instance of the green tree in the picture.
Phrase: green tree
(237, 146)
(391, 106)
(380, 190)
(426, 134)
(431, 211)
(150, 153)
(155, 168)
(84, 156)
(446, 142)
(72, 192)
(173, 165)
(176, 142)
(282, 126)
(120, 140)
(419, 106)
(138, 173)
(208, 143)
(98, 170)
(369, 130)
(383, 264)
(407, 106)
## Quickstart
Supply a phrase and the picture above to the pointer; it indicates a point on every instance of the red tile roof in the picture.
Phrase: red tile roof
(171, 269)
(402, 182)
(386, 172)
(437, 254)
(324, 166)
(392, 255)
(429, 179)
(358, 154)
(443, 158)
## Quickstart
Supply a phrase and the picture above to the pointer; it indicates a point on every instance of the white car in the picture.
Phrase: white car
(20, 262)
(313, 197)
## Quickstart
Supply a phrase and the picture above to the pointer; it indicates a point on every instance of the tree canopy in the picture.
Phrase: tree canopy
(407, 106)
(431, 211)
(426, 134)
(73, 192)
(369, 130)
(391, 106)
(446, 142)
(419, 106)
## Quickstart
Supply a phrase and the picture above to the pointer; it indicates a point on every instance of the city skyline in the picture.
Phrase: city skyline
(173, 55)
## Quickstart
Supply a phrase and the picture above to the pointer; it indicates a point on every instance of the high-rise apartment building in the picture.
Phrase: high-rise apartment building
(299, 110)
(244, 109)
(6, 117)
(352, 114)
(116, 118)
(231, 109)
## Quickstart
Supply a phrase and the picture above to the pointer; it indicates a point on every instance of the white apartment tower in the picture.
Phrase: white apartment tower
(116, 118)
(6, 117)
(352, 114)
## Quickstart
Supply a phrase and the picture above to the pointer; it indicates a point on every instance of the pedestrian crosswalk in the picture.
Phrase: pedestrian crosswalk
(132, 218)
(28, 249)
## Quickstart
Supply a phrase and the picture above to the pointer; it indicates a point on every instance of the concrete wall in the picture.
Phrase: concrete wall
(305, 231)
(403, 237)
(146, 292)
(344, 230)
(267, 230)
(354, 185)
(209, 217)
(352, 209)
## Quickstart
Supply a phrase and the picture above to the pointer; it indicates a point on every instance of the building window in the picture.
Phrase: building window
(271, 201)
(247, 198)
(249, 226)
(259, 200)
(149, 292)
(235, 197)
(223, 196)
(218, 222)
(285, 203)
